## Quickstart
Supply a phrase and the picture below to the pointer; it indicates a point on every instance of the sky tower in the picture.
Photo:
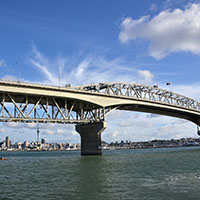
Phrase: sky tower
(38, 134)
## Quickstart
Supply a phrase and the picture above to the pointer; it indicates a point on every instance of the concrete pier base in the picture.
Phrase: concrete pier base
(91, 137)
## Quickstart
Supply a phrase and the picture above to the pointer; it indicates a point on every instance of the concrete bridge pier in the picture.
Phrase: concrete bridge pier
(91, 137)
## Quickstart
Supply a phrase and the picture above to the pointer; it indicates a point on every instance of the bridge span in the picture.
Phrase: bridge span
(87, 106)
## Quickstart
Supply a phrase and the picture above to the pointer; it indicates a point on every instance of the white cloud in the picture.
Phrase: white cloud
(32, 126)
(2, 63)
(177, 129)
(14, 125)
(126, 123)
(42, 64)
(60, 131)
(2, 130)
(168, 32)
(114, 114)
(144, 128)
(115, 134)
(91, 69)
(49, 132)
(55, 129)
(146, 76)
(153, 7)
(82, 67)
(172, 4)
(191, 91)
(50, 126)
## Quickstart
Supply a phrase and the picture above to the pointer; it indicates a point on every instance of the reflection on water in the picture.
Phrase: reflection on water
(126, 174)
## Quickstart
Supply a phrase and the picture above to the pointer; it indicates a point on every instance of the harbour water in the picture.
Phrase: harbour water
(146, 174)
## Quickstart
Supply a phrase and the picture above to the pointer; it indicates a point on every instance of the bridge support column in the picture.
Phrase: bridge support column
(91, 137)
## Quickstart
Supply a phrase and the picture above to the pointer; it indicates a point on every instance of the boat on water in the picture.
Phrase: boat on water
(3, 158)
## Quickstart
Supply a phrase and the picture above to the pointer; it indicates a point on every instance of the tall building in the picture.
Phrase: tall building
(26, 144)
(43, 141)
(38, 134)
(8, 142)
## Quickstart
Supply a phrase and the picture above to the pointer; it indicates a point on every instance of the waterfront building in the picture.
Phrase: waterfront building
(26, 144)
(8, 142)
(3, 145)
(18, 145)
(43, 141)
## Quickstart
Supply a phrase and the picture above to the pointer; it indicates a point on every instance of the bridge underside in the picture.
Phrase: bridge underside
(162, 111)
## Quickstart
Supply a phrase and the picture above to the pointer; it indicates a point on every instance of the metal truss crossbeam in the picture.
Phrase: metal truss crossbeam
(28, 109)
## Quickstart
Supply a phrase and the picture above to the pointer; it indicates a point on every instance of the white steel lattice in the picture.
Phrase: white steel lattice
(143, 92)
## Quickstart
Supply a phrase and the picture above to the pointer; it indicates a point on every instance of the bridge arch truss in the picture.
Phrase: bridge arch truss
(143, 92)
(150, 99)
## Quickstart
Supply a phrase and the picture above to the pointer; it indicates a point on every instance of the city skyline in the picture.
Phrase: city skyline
(42, 145)
(76, 42)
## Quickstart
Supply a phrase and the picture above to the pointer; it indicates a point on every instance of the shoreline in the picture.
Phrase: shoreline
(107, 149)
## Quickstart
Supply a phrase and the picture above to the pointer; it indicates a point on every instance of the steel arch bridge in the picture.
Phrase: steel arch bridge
(87, 106)
(26, 102)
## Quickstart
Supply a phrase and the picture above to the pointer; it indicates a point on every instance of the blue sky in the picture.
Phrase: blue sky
(82, 42)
